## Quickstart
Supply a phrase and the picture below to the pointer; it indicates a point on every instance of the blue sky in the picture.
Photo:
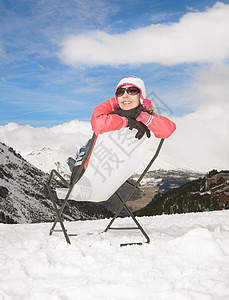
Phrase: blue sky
(59, 59)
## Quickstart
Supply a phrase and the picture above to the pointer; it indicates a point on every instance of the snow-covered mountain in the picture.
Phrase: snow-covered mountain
(154, 182)
(210, 192)
(47, 148)
(47, 159)
(24, 197)
(165, 180)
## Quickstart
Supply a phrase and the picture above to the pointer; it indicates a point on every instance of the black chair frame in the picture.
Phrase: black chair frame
(123, 202)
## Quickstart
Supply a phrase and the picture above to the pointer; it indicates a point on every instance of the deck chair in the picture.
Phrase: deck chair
(114, 158)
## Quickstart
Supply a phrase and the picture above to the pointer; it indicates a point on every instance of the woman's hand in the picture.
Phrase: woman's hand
(131, 116)
(141, 128)
(131, 113)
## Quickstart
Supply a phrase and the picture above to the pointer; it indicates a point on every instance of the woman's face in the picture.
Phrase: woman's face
(127, 101)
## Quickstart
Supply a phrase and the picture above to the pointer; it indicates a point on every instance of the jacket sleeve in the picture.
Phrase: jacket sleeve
(101, 121)
(161, 126)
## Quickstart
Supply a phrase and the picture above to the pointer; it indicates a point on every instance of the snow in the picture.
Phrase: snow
(188, 258)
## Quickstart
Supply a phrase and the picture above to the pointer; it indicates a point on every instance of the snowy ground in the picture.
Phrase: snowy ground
(188, 258)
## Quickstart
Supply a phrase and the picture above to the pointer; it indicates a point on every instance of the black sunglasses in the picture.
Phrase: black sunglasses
(131, 90)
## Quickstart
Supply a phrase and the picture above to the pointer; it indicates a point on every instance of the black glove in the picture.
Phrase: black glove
(141, 128)
(131, 113)
(131, 116)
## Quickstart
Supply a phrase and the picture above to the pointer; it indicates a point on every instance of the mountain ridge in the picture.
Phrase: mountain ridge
(195, 196)
(24, 197)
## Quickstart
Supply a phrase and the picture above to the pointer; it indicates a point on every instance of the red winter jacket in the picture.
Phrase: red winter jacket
(101, 121)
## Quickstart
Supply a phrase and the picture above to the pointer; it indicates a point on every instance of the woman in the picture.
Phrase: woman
(129, 108)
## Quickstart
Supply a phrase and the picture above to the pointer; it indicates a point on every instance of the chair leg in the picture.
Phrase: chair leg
(137, 223)
(75, 179)
(131, 193)
(60, 212)
(58, 215)
(54, 201)
(123, 205)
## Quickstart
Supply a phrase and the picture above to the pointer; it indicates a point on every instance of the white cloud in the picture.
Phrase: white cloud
(206, 84)
(198, 37)
(47, 148)
(68, 136)
(211, 82)
(201, 138)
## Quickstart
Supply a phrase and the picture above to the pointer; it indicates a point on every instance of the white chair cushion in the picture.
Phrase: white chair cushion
(116, 156)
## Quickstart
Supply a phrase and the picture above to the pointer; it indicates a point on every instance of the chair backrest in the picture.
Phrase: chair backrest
(116, 156)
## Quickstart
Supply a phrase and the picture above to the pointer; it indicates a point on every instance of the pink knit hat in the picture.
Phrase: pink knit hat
(139, 83)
